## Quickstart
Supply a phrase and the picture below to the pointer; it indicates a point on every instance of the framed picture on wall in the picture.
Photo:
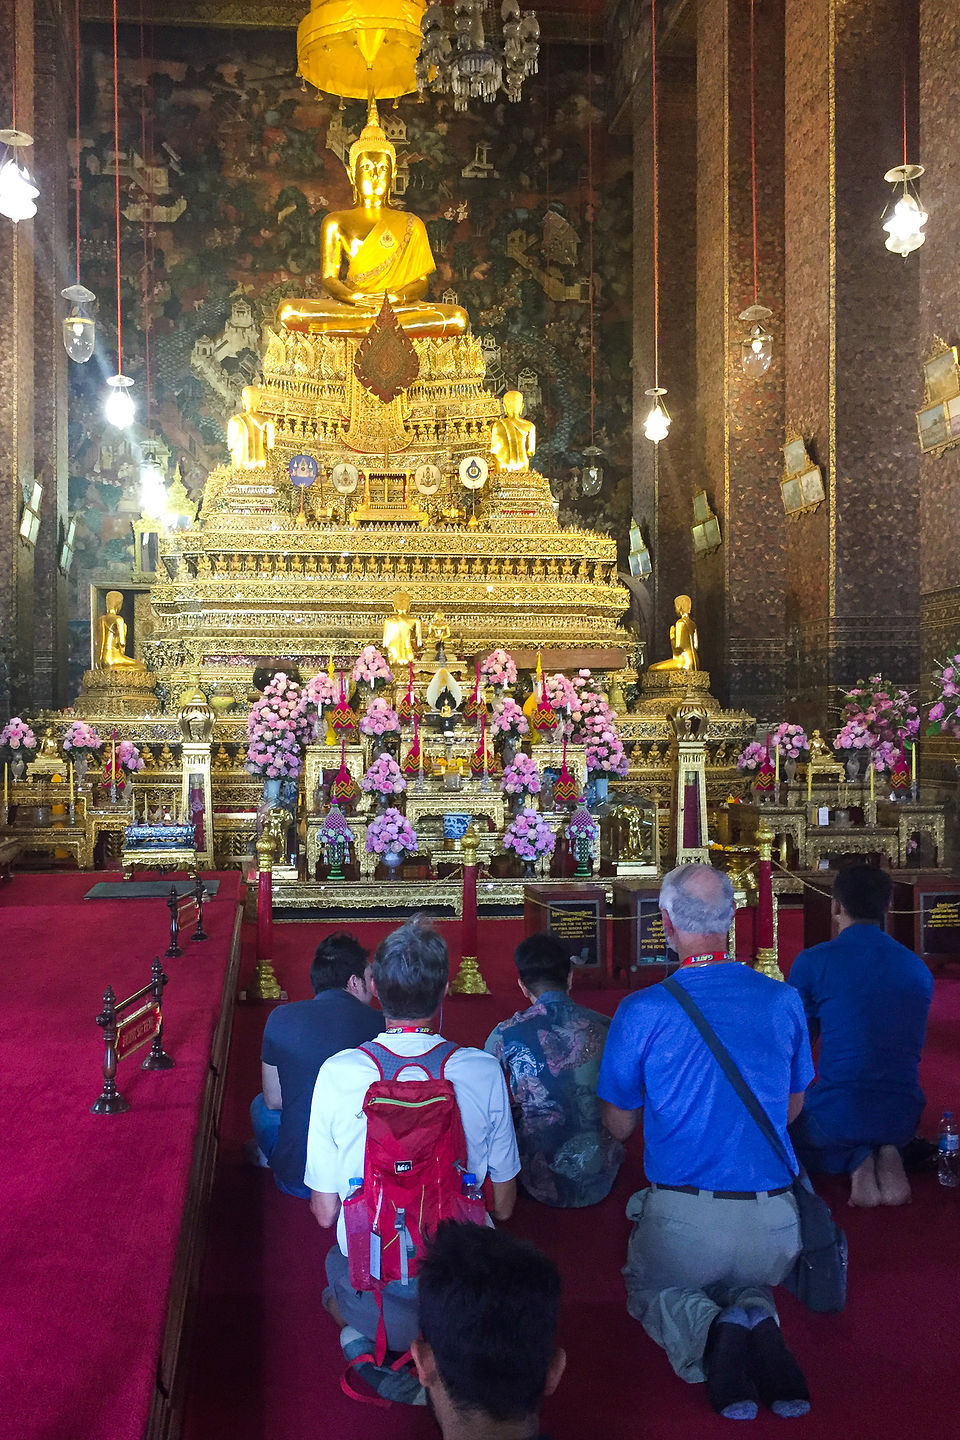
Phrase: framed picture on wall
(941, 376)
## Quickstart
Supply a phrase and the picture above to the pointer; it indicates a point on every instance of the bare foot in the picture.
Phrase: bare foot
(891, 1177)
(864, 1187)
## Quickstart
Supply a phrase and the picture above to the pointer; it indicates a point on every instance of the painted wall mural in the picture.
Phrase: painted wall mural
(226, 170)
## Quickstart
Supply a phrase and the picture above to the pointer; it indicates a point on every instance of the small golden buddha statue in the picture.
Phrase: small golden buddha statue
(250, 435)
(438, 633)
(112, 636)
(820, 751)
(386, 252)
(513, 439)
(401, 631)
(684, 641)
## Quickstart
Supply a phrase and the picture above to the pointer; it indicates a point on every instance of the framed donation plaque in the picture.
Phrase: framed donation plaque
(577, 916)
(934, 900)
(641, 955)
(938, 422)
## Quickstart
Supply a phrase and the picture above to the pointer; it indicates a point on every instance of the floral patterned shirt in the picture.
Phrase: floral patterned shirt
(551, 1053)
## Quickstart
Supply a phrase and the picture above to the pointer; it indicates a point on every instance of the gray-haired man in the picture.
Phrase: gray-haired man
(718, 1224)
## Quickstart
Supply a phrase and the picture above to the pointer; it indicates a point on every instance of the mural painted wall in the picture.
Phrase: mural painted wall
(227, 168)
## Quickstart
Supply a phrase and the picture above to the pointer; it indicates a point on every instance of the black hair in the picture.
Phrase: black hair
(337, 957)
(542, 963)
(411, 969)
(488, 1309)
(864, 892)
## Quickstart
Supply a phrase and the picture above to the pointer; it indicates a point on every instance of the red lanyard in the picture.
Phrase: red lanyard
(717, 955)
(410, 1030)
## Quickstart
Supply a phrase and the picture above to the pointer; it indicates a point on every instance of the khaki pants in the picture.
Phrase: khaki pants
(691, 1256)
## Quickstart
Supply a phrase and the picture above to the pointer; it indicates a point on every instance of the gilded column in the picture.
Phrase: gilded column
(16, 376)
(851, 315)
(740, 589)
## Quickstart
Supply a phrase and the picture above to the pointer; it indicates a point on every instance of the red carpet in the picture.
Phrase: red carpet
(92, 1203)
(267, 1359)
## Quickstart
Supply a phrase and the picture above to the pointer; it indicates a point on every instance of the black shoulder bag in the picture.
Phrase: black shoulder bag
(819, 1275)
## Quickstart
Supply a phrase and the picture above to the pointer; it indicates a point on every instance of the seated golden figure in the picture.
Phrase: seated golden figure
(386, 252)
(112, 636)
(513, 439)
(401, 632)
(684, 641)
(250, 435)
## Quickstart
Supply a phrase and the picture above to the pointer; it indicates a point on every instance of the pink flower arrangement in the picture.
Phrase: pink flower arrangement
(876, 713)
(582, 824)
(391, 831)
(522, 777)
(277, 728)
(334, 828)
(17, 735)
(128, 757)
(508, 720)
(944, 714)
(371, 668)
(321, 691)
(751, 757)
(81, 736)
(561, 692)
(590, 722)
(499, 668)
(529, 835)
(380, 719)
(790, 740)
(384, 777)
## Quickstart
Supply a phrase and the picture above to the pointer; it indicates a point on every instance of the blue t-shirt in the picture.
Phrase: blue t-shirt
(696, 1129)
(551, 1052)
(297, 1039)
(870, 996)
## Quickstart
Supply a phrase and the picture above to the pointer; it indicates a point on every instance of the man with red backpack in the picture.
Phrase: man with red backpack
(405, 1130)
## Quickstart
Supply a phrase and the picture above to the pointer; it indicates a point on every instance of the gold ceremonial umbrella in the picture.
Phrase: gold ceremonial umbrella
(361, 48)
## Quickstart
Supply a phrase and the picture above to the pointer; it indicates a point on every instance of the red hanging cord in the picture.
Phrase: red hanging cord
(753, 153)
(656, 195)
(116, 168)
(76, 86)
(903, 55)
(147, 274)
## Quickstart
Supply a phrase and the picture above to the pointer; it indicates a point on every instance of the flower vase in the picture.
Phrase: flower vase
(393, 859)
(271, 791)
(18, 767)
(336, 854)
(790, 769)
(581, 851)
(383, 802)
(80, 767)
(508, 752)
(529, 869)
(601, 786)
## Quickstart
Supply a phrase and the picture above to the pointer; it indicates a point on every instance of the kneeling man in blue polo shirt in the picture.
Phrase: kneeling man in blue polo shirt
(717, 1226)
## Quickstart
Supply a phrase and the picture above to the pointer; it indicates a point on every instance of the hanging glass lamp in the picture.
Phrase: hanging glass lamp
(905, 217)
(119, 407)
(756, 347)
(17, 189)
(657, 423)
(79, 326)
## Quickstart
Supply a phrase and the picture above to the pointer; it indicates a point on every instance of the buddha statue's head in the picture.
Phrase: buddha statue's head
(372, 164)
(250, 398)
(401, 603)
(113, 602)
(513, 404)
(683, 605)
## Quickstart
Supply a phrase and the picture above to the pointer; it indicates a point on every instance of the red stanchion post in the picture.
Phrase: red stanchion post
(468, 979)
(766, 961)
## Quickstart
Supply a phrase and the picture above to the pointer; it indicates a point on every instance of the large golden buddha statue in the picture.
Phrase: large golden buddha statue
(370, 252)
(112, 636)
(684, 641)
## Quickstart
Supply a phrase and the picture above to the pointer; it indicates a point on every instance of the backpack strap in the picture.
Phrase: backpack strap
(432, 1062)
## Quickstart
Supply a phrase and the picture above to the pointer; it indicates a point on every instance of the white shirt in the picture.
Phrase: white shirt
(337, 1134)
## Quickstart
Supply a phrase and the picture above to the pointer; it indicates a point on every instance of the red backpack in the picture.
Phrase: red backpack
(415, 1158)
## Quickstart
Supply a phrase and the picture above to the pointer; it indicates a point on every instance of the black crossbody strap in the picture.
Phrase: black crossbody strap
(729, 1068)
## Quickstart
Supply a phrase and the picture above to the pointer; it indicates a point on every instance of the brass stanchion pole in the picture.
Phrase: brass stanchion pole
(265, 985)
(468, 979)
(767, 962)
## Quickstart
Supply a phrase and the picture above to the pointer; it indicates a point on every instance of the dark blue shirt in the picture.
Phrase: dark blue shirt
(551, 1053)
(696, 1129)
(297, 1039)
(870, 996)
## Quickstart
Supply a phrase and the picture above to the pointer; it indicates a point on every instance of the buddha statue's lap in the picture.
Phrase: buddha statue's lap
(371, 252)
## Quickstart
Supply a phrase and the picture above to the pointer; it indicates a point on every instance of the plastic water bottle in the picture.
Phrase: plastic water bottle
(470, 1190)
(355, 1186)
(948, 1151)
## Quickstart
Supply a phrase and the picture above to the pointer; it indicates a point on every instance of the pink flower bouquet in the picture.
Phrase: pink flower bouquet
(583, 825)
(321, 691)
(128, 757)
(876, 713)
(499, 668)
(81, 736)
(334, 829)
(391, 832)
(751, 757)
(277, 727)
(529, 835)
(380, 719)
(384, 777)
(944, 714)
(508, 721)
(371, 668)
(791, 741)
(522, 777)
(17, 737)
(561, 692)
